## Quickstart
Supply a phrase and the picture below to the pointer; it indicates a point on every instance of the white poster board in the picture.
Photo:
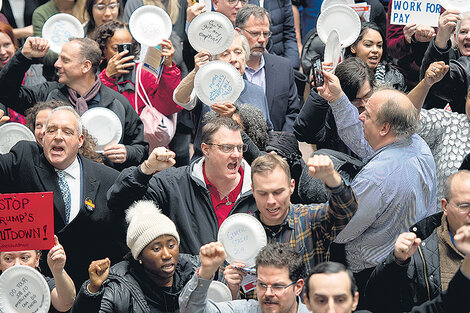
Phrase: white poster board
(421, 12)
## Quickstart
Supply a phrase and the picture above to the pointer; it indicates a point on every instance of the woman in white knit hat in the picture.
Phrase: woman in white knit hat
(150, 279)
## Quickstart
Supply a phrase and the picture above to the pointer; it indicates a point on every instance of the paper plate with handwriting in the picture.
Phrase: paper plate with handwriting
(23, 290)
(59, 28)
(218, 82)
(211, 31)
(341, 18)
(104, 125)
(11, 133)
(149, 25)
(242, 236)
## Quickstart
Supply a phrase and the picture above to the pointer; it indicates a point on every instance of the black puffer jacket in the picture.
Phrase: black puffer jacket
(397, 288)
(128, 289)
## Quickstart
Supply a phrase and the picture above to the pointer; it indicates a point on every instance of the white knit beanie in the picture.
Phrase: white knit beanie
(146, 223)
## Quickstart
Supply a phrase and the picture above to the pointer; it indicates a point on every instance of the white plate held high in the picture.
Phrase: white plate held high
(218, 82)
(149, 25)
(242, 236)
(104, 125)
(59, 28)
(343, 20)
(211, 31)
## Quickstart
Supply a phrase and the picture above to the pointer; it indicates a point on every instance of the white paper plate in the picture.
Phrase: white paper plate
(23, 290)
(1, 4)
(328, 3)
(59, 28)
(218, 292)
(243, 236)
(341, 18)
(459, 5)
(104, 125)
(11, 133)
(332, 48)
(149, 25)
(211, 31)
(218, 82)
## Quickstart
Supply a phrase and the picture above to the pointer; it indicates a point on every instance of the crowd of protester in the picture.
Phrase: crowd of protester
(377, 219)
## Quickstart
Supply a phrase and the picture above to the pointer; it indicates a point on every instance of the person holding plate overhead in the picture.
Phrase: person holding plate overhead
(122, 75)
(78, 86)
(150, 278)
(185, 95)
(61, 285)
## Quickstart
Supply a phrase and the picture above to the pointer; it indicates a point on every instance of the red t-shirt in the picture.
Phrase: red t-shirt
(222, 207)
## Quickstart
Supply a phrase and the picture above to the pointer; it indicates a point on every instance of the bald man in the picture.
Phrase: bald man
(397, 186)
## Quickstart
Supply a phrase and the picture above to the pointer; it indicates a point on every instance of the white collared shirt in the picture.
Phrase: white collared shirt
(72, 176)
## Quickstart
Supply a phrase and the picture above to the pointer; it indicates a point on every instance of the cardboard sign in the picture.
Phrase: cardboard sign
(421, 12)
(26, 221)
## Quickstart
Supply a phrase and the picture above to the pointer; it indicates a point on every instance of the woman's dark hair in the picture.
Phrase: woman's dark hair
(365, 26)
(89, 10)
(103, 33)
(352, 73)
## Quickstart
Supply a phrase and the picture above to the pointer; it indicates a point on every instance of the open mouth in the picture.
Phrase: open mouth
(57, 149)
(373, 59)
(5, 60)
(232, 166)
(168, 267)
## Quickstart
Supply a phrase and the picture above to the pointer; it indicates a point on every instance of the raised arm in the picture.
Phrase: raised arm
(63, 295)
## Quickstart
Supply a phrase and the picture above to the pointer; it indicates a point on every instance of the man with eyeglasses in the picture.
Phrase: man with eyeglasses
(274, 74)
(197, 197)
(424, 259)
(229, 8)
(279, 272)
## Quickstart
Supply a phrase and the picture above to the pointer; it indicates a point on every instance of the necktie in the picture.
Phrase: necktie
(65, 190)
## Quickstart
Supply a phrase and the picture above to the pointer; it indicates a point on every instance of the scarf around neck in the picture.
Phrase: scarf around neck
(80, 102)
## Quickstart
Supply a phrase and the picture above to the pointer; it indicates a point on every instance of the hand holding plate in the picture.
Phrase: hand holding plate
(405, 247)
(321, 167)
(116, 153)
(35, 47)
(3, 119)
(117, 64)
(200, 59)
(212, 255)
(194, 10)
(98, 272)
(224, 109)
(160, 159)
(168, 51)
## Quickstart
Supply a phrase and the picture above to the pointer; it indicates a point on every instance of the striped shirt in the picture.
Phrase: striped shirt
(396, 189)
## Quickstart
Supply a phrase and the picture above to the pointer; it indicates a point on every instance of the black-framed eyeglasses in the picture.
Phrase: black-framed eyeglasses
(258, 34)
(275, 289)
(235, 2)
(229, 148)
(101, 6)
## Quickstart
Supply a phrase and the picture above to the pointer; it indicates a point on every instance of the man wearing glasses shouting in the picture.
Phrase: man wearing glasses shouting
(279, 272)
(198, 197)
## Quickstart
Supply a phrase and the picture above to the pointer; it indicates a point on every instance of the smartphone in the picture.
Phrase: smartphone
(128, 47)
(317, 71)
